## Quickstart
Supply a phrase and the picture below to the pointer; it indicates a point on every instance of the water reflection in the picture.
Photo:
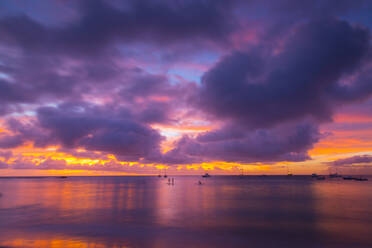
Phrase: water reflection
(56, 242)
(343, 211)
(147, 212)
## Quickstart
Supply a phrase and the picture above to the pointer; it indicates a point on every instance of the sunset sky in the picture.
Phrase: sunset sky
(134, 87)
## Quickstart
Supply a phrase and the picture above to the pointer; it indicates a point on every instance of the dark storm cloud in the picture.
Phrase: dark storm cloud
(11, 141)
(147, 85)
(40, 79)
(154, 97)
(155, 113)
(32, 79)
(10, 93)
(44, 62)
(98, 24)
(101, 23)
(275, 17)
(101, 129)
(359, 159)
(237, 144)
(269, 97)
(318, 8)
(110, 129)
(260, 89)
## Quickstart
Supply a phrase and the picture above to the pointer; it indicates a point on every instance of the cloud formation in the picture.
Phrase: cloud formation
(102, 23)
(359, 159)
(274, 98)
(262, 88)
(108, 129)
(237, 144)
(119, 78)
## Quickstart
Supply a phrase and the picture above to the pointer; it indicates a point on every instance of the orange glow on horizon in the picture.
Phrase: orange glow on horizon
(352, 118)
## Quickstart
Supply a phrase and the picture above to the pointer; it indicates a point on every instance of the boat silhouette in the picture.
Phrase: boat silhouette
(348, 178)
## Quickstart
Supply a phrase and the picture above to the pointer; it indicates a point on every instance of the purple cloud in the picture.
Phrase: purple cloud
(237, 144)
(85, 80)
(102, 23)
(267, 96)
(259, 88)
(102, 129)
(10, 141)
(359, 159)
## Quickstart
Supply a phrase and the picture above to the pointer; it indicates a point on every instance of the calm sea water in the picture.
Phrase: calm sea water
(225, 211)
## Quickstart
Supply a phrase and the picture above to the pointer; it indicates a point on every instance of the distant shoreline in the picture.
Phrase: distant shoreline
(64, 177)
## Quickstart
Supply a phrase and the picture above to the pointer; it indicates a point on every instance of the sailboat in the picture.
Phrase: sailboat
(242, 173)
(320, 178)
(289, 174)
(206, 175)
(334, 175)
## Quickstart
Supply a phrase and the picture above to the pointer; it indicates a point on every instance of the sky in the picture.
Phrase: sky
(95, 87)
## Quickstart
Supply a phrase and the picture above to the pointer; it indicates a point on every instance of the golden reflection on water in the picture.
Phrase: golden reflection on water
(56, 243)
(185, 197)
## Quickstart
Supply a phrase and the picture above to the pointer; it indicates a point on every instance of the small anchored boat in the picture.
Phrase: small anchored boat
(334, 175)
(360, 179)
(348, 178)
(289, 174)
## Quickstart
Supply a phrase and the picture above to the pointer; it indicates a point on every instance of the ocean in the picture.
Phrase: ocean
(224, 211)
